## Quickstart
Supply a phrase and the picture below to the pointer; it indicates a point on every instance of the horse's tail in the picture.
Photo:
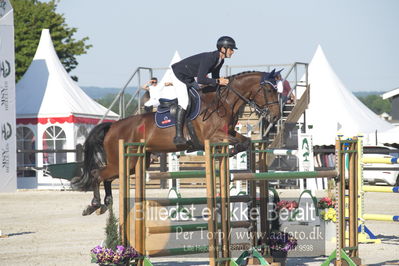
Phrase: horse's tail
(94, 157)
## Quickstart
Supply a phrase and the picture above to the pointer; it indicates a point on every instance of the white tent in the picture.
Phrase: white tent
(52, 112)
(390, 136)
(335, 110)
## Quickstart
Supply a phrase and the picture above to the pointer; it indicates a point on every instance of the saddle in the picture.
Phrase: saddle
(165, 116)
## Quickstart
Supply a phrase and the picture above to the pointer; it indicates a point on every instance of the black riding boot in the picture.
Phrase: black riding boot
(179, 138)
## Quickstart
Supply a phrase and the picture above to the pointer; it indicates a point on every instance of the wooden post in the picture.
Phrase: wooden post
(140, 201)
(128, 198)
(252, 193)
(340, 192)
(211, 203)
(264, 192)
(163, 168)
(352, 191)
(225, 202)
(124, 202)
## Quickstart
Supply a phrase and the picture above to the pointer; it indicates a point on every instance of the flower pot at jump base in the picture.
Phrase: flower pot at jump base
(279, 256)
(329, 228)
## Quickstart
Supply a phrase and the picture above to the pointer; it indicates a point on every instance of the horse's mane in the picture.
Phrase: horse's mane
(242, 73)
(221, 92)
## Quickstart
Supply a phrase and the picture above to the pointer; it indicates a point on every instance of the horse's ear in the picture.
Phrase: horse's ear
(272, 74)
(278, 72)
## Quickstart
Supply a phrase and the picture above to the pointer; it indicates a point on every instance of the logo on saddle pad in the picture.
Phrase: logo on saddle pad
(163, 117)
(166, 120)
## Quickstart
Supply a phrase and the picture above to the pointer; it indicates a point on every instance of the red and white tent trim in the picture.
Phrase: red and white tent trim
(67, 119)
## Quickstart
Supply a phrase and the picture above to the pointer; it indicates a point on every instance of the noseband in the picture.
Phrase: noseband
(258, 109)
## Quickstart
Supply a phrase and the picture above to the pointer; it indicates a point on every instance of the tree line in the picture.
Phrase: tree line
(376, 103)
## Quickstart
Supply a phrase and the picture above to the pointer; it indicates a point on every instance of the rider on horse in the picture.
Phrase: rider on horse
(198, 66)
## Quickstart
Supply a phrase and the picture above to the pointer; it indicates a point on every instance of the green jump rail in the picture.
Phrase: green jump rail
(182, 174)
(277, 151)
(192, 227)
(199, 200)
(197, 249)
(283, 175)
(176, 175)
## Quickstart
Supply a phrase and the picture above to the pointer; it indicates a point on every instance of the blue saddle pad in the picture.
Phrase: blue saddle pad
(163, 118)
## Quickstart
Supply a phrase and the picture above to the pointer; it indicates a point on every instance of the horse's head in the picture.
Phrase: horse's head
(258, 89)
(268, 84)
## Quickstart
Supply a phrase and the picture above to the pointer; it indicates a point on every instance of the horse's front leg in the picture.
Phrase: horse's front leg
(96, 201)
(108, 193)
(107, 199)
(240, 143)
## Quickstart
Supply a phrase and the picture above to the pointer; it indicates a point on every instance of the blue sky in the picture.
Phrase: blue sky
(359, 37)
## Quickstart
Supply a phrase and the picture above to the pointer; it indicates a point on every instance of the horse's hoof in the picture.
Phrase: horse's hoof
(90, 209)
(101, 210)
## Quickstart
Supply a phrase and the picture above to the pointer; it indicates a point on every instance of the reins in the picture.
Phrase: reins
(260, 111)
(263, 111)
(215, 103)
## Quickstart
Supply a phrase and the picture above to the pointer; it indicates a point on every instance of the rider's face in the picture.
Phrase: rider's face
(228, 54)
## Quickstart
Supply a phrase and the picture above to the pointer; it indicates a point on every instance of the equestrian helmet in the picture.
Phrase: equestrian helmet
(226, 42)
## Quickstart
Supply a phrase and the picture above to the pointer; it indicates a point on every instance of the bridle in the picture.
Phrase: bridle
(258, 109)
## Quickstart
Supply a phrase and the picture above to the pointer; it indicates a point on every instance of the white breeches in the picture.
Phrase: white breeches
(152, 102)
(180, 92)
(182, 96)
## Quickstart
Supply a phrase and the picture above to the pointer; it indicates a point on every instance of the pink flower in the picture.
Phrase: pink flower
(285, 204)
(326, 203)
(107, 256)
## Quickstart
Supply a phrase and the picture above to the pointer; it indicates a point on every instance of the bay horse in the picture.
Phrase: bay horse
(216, 121)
